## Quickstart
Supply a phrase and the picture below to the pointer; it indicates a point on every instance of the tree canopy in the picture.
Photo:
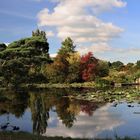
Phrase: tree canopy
(28, 61)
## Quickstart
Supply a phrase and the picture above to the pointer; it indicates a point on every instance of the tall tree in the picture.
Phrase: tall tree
(73, 68)
(67, 47)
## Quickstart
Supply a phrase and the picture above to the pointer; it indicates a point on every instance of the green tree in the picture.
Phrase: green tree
(38, 32)
(67, 47)
(24, 58)
(14, 72)
(2, 46)
(118, 65)
(138, 64)
(102, 68)
(59, 70)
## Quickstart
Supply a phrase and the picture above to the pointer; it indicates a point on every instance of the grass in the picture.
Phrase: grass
(64, 85)
(28, 136)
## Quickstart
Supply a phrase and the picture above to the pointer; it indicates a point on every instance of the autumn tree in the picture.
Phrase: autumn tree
(64, 64)
(73, 67)
(88, 65)
(56, 72)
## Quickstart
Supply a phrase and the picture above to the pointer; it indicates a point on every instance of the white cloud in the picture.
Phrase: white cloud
(49, 33)
(97, 5)
(53, 55)
(77, 20)
(131, 50)
(96, 48)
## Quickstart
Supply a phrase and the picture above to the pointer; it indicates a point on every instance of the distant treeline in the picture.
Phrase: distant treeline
(28, 61)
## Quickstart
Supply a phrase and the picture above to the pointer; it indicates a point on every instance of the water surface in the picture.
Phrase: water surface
(61, 112)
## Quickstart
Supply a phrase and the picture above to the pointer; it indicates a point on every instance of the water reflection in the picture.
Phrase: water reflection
(13, 102)
(55, 113)
(85, 126)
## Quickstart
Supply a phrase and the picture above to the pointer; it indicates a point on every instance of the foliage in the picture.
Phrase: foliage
(73, 68)
(102, 82)
(65, 67)
(28, 61)
(138, 64)
(118, 65)
(19, 59)
(14, 72)
(88, 65)
(67, 47)
(39, 33)
(2, 46)
(55, 72)
(137, 75)
(102, 68)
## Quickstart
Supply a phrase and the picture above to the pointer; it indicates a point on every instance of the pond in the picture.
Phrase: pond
(75, 113)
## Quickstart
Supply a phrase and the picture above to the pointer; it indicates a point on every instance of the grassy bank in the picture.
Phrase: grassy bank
(27, 136)
(63, 85)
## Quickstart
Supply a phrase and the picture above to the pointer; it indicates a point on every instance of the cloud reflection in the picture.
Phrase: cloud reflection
(87, 126)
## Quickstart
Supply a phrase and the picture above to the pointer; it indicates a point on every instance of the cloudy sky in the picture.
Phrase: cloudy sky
(108, 28)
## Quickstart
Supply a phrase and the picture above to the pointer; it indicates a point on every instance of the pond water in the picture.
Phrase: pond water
(82, 113)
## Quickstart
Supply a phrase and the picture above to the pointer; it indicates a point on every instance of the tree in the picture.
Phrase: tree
(102, 68)
(14, 72)
(88, 65)
(73, 67)
(67, 47)
(57, 71)
(2, 46)
(118, 65)
(63, 67)
(63, 112)
(38, 32)
(138, 64)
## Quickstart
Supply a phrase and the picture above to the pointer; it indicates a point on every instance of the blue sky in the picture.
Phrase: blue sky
(110, 30)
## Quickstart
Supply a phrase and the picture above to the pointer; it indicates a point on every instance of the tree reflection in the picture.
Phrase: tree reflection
(67, 116)
(40, 113)
(41, 102)
(89, 107)
(14, 102)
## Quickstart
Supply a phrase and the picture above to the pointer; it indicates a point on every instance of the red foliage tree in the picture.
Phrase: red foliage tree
(88, 65)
